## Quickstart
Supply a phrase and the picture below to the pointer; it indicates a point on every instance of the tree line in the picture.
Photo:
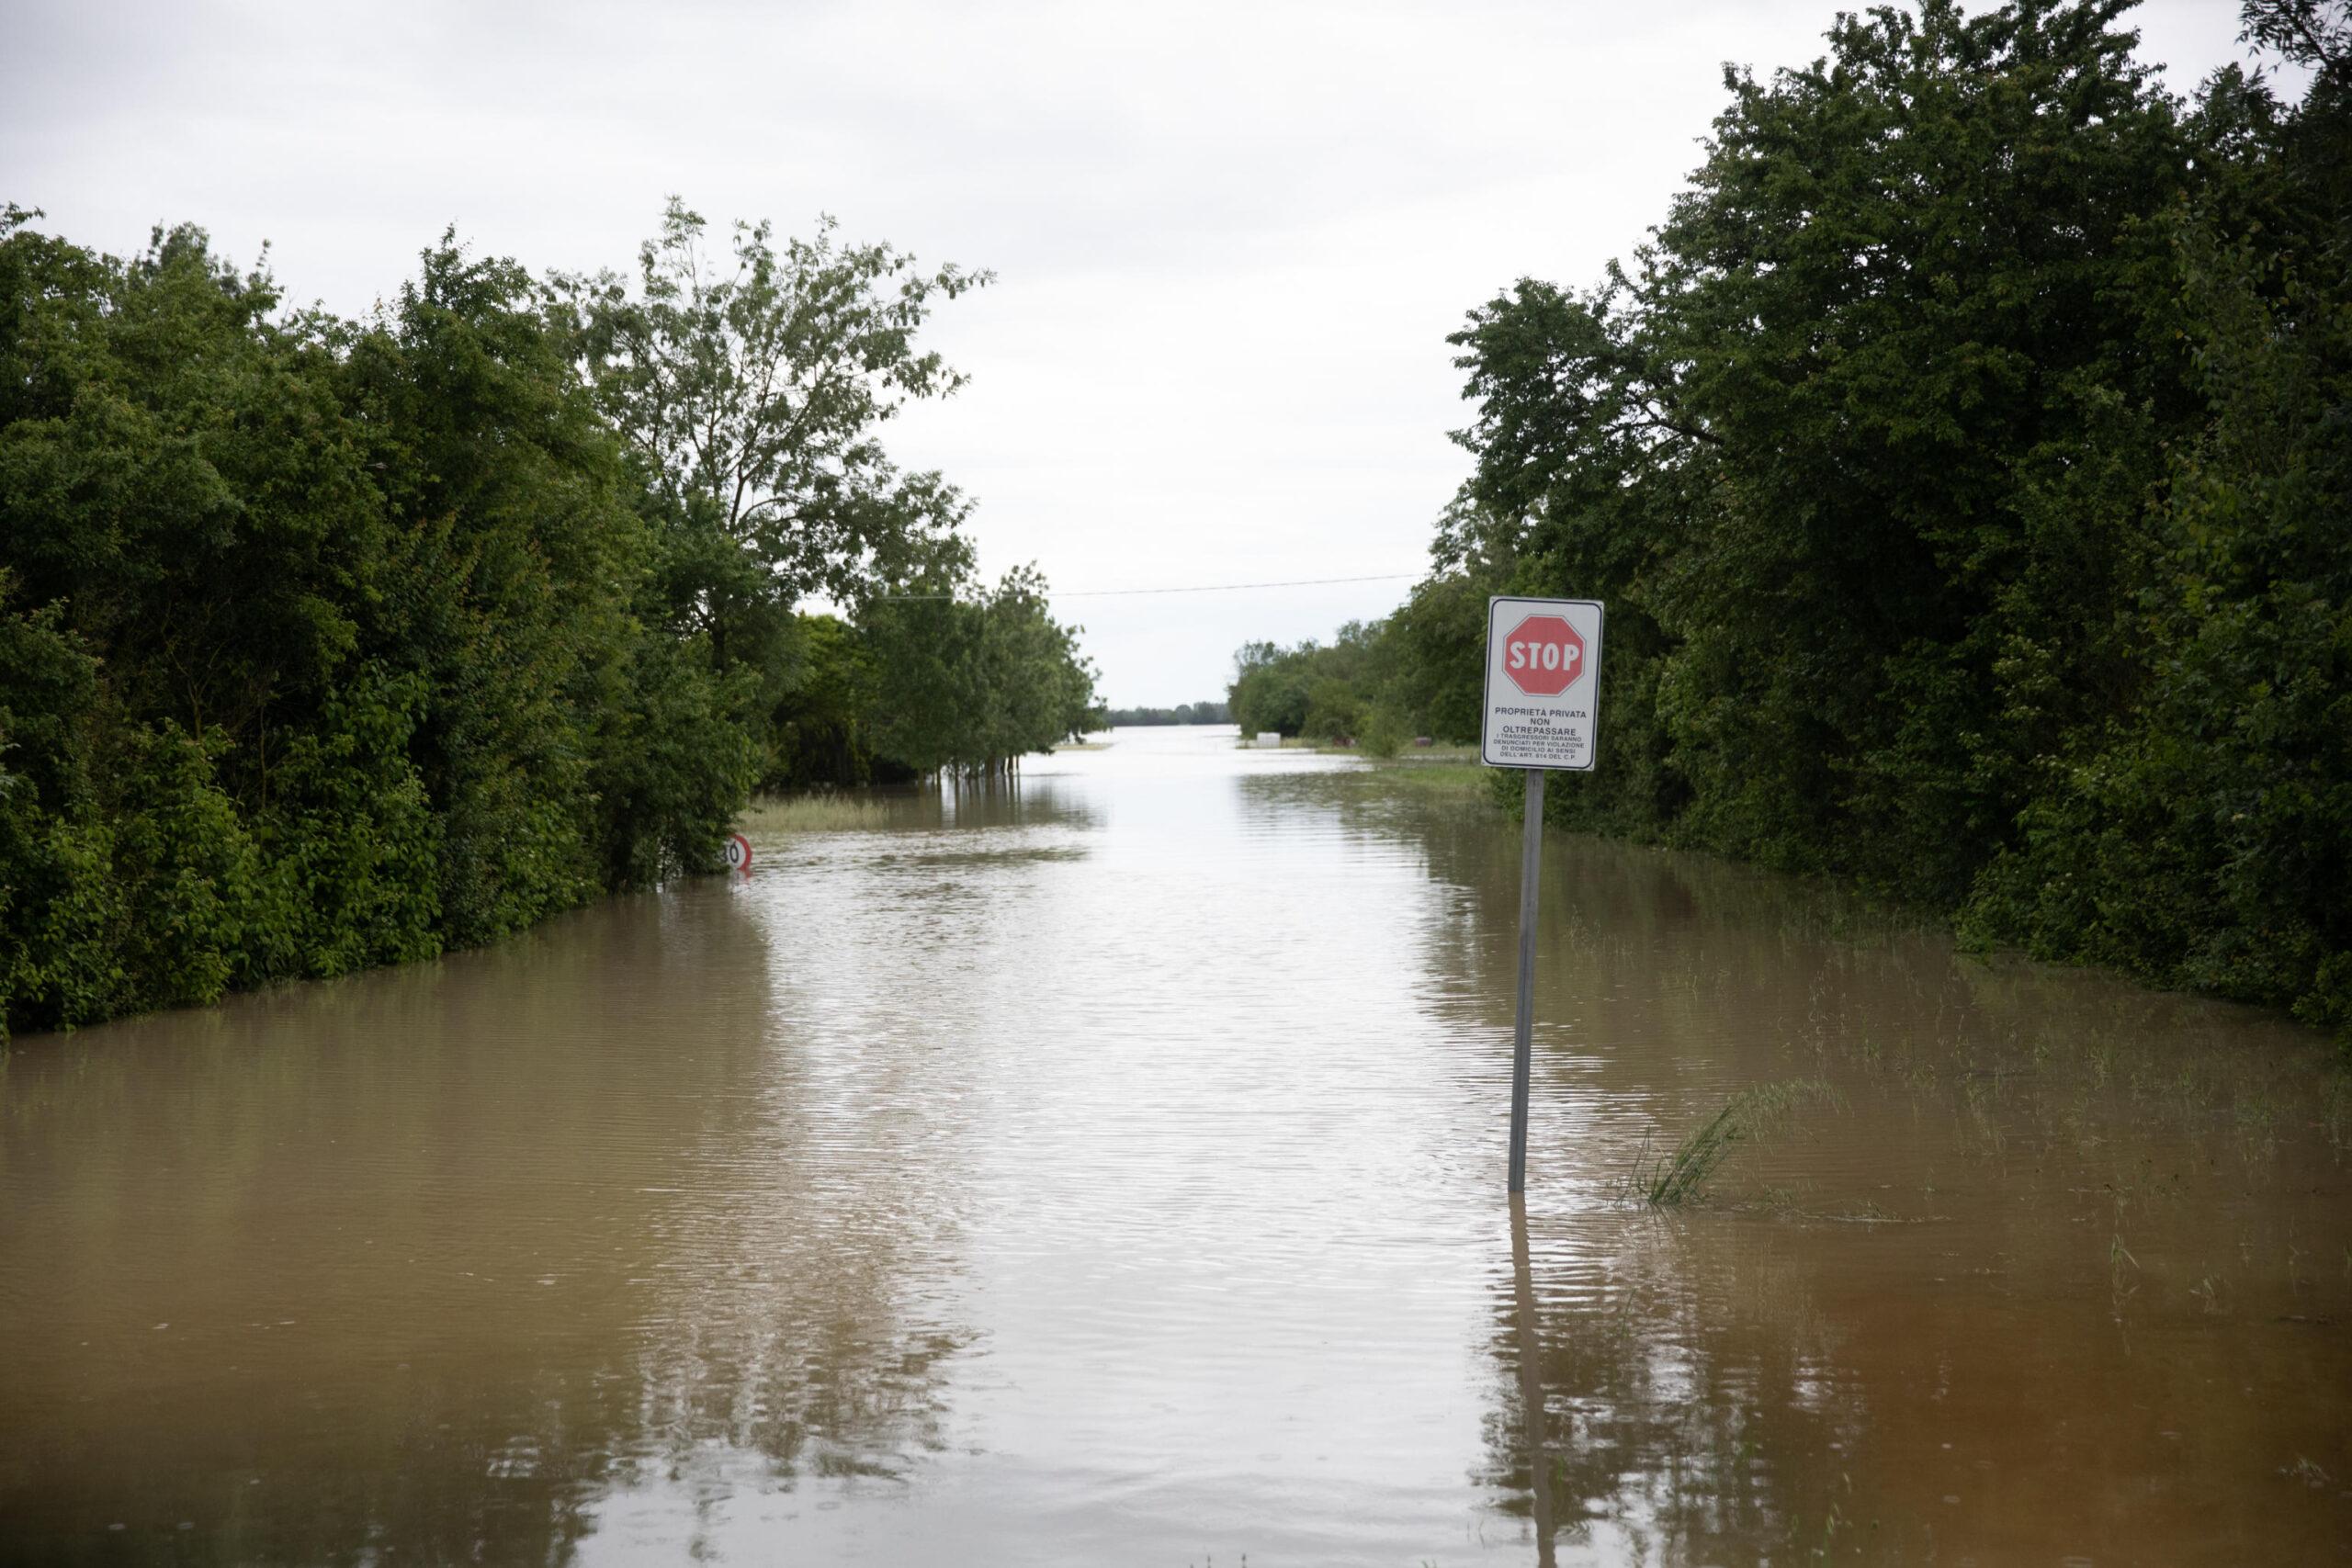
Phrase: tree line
(1182, 713)
(1966, 463)
(328, 643)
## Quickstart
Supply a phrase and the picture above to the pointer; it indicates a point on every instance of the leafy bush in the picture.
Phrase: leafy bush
(320, 643)
(1381, 733)
(1964, 466)
(326, 644)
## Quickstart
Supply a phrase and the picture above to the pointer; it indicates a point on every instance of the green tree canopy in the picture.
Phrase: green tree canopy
(1955, 461)
(320, 642)
(753, 390)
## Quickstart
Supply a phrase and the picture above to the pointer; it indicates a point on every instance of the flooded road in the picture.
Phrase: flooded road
(1109, 1170)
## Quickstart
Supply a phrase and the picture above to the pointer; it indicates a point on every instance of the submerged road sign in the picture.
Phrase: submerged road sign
(1543, 711)
(1542, 683)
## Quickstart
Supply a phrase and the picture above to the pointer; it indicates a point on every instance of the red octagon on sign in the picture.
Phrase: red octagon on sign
(1543, 655)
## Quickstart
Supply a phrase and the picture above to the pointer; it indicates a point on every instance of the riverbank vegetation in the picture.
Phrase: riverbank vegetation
(1964, 464)
(331, 643)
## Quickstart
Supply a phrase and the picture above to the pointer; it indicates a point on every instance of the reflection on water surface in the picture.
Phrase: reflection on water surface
(1109, 1168)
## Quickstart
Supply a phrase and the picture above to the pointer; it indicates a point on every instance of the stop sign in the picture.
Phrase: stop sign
(1543, 655)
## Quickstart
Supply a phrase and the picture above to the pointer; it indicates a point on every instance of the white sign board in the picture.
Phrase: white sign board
(1542, 683)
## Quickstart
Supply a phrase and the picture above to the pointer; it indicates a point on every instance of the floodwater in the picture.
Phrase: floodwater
(1109, 1170)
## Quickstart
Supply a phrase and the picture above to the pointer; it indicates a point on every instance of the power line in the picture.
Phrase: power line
(1233, 587)
(1196, 588)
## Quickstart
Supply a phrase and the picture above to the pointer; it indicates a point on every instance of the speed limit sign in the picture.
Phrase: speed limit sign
(739, 853)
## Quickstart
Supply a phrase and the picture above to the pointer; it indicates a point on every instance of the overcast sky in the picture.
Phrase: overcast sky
(1230, 240)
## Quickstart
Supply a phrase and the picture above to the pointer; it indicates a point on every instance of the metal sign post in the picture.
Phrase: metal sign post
(1531, 1377)
(1542, 711)
(1522, 1028)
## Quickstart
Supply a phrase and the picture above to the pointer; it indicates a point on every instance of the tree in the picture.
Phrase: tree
(2203, 834)
(1959, 462)
(320, 642)
(753, 392)
(1856, 447)
(970, 681)
(1270, 688)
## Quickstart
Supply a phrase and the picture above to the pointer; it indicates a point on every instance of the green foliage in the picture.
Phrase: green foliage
(327, 644)
(1324, 692)
(824, 714)
(1381, 733)
(973, 681)
(1853, 449)
(186, 865)
(1437, 664)
(322, 644)
(1962, 463)
(1682, 1177)
(1416, 671)
(511, 532)
(1182, 713)
(2203, 835)
(752, 395)
(1269, 691)
(1333, 709)
(66, 917)
(674, 764)
(353, 868)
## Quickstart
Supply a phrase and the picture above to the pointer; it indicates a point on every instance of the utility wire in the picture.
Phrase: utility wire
(1198, 588)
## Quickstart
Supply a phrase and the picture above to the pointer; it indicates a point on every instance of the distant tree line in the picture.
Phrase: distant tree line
(1378, 680)
(328, 643)
(1182, 713)
(1966, 463)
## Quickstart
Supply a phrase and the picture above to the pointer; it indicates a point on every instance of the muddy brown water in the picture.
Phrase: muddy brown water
(1109, 1170)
